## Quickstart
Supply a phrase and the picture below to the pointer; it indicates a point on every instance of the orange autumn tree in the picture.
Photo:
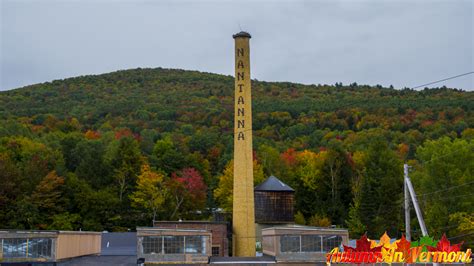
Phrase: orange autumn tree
(47, 195)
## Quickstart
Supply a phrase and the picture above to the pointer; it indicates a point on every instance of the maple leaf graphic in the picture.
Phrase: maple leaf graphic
(385, 242)
(445, 246)
(404, 246)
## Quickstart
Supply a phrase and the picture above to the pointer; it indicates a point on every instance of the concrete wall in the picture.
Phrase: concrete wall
(74, 244)
(259, 227)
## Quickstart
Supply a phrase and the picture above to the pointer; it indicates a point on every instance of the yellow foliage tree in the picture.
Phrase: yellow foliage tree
(224, 191)
(299, 218)
(309, 167)
(319, 221)
(150, 194)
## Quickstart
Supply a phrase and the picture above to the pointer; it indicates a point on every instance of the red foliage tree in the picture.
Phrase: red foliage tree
(289, 156)
(188, 190)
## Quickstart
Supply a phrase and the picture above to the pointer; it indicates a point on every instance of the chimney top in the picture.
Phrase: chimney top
(242, 34)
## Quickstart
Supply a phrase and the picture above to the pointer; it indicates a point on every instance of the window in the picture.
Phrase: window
(152, 244)
(39, 247)
(196, 244)
(311, 243)
(174, 244)
(216, 251)
(289, 243)
(14, 247)
(330, 242)
(23, 247)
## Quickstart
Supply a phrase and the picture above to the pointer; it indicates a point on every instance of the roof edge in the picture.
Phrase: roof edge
(242, 34)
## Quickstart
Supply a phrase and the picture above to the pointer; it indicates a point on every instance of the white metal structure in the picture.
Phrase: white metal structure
(410, 193)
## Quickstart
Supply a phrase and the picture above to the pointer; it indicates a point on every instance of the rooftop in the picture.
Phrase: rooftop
(304, 227)
(242, 34)
(190, 222)
(273, 184)
(169, 229)
(49, 232)
(263, 260)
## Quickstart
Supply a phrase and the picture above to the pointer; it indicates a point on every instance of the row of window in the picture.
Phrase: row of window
(27, 247)
(174, 244)
(309, 243)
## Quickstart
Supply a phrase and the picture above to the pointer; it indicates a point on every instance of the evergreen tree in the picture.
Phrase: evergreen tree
(378, 204)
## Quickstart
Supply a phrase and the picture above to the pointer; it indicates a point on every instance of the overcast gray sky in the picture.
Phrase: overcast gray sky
(404, 43)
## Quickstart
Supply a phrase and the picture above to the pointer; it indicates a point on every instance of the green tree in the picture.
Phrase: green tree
(166, 156)
(444, 180)
(126, 160)
(24, 215)
(339, 174)
(98, 209)
(377, 206)
(270, 160)
(91, 165)
(464, 228)
(10, 191)
(64, 221)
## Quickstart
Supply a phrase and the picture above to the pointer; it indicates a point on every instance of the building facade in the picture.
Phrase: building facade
(165, 246)
(47, 246)
(293, 244)
(218, 230)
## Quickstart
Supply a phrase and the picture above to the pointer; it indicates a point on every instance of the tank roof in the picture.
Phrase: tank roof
(242, 34)
(273, 184)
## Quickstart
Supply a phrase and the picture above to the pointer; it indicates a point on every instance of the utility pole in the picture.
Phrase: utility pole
(419, 215)
(409, 190)
(407, 203)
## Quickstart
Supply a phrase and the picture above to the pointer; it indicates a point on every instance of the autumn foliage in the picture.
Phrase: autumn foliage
(133, 144)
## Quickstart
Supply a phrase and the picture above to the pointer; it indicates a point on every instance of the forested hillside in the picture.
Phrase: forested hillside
(114, 151)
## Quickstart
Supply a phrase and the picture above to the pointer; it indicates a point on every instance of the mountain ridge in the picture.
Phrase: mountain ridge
(147, 82)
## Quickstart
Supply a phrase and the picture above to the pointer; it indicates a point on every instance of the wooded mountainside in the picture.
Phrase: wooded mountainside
(114, 151)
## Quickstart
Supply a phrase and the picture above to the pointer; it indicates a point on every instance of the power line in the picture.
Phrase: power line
(453, 77)
(468, 234)
(446, 189)
(438, 228)
(442, 156)
(457, 196)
